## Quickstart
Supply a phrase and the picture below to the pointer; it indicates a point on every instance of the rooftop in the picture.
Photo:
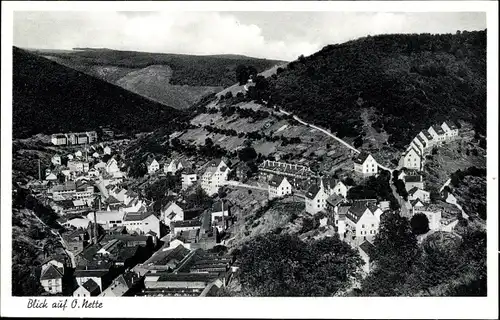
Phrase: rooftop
(91, 286)
(186, 223)
(276, 180)
(368, 248)
(438, 129)
(413, 178)
(52, 273)
(361, 157)
(358, 208)
(136, 216)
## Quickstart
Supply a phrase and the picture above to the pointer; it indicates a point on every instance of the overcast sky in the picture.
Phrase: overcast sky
(273, 35)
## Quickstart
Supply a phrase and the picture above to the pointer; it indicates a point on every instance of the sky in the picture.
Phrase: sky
(272, 35)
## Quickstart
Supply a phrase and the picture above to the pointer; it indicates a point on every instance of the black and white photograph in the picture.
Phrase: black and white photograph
(240, 152)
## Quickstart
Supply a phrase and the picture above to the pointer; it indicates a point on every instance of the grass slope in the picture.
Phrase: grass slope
(48, 98)
(189, 79)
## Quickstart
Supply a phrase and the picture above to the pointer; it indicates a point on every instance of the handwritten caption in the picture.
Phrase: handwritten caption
(63, 304)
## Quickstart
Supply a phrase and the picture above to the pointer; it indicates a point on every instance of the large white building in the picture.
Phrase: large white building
(176, 165)
(411, 159)
(365, 164)
(51, 276)
(152, 165)
(279, 187)
(316, 197)
(450, 129)
(362, 220)
(214, 177)
(188, 178)
(141, 223)
(171, 212)
(438, 134)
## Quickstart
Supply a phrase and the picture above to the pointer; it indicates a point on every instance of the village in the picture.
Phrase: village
(118, 244)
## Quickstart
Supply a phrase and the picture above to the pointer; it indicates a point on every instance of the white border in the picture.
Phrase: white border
(388, 308)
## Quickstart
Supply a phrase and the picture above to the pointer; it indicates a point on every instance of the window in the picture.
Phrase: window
(373, 225)
(362, 226)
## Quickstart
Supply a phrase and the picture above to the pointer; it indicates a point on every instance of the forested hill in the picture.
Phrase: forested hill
(50, 98)
(176, 80)
(408, 82)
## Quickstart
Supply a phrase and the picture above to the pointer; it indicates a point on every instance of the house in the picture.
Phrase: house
(100, 275)
(152, 165)
(427, 138)
(92, 136)
(412, 181)
(70, 156)
(112, 166)
(171, 212)
(76, 223)
(141, 222)
(76, 239)
(450, 129)
(188, 178)
(215, 176)
(68, 189)
(186, 225)
(51, 177)
(177, 165)
(340, 188)
(362, 222)
(365, 164)
(416, 193)
(107, 150)
(88, 289)
(82, 138)
(79, 154)
(418, 144)
(315, 198)
(129, 196)
(96, 155)
(279, 187)
(93, 173)
(59, 139)
(411, 159)
(438, 134)
(416, 203)
(78, 166)
(51, 276)
(366, 250)
(56, 160)
(220, 209)
(121, 285)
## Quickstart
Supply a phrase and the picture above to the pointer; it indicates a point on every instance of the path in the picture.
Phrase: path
(63, 243)
(330, 135)
(404, 212)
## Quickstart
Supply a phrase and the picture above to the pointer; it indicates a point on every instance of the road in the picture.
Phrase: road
(404, 212)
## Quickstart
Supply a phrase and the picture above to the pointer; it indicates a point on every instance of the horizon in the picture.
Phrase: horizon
(278, 35)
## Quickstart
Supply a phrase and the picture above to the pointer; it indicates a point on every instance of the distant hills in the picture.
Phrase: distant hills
(49, 98)
(396, 84)
(175, 80)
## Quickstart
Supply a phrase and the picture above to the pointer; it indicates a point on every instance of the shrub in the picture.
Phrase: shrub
(419, 224)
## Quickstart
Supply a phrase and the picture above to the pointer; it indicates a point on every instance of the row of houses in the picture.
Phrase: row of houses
(436, 135)
(73, 138)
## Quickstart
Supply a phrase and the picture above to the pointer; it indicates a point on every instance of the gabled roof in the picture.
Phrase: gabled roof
(438, 129)
(415, 202)
(334, 199)
(427, 134)
(276, 180)
(186, 223)
(149, 161)
(90, 273)
(136, 216)
(422, 141)
(412, 191)
(217, 207)
(451, 125)
(361, 157)
(367, 247)
(358, 208)
(413, 178)
(51, 273)
(313, 191)
(92, 287)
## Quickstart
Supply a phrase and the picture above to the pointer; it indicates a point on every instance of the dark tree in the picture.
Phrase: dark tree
(419, 224)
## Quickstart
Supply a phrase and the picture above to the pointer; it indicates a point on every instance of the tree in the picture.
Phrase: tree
(247, 154)
(209, 143)
(283, 265)
(395, 253)
(419, 224)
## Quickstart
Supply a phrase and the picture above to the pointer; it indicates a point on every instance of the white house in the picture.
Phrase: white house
(93, 173)
(279, 187)
(51, 276)
(416, 193)
(141, 222)
(411, 159)
(56, 160)
(340, 189)
(51, 177)
(365, 164)
(362, 222)
(438, 134)
(152, 165)
(96, 275)
(427, 138)
(214, 177)
(176, 165)
(59, 139)
(188, 178)
(78, 166)
(186, 225)
(412, 181)
(78, 154)
(107, 150)
(112, 166)
(96, 155)
(70, 156)
(316, 198)
(450, 129)
(171, 212)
